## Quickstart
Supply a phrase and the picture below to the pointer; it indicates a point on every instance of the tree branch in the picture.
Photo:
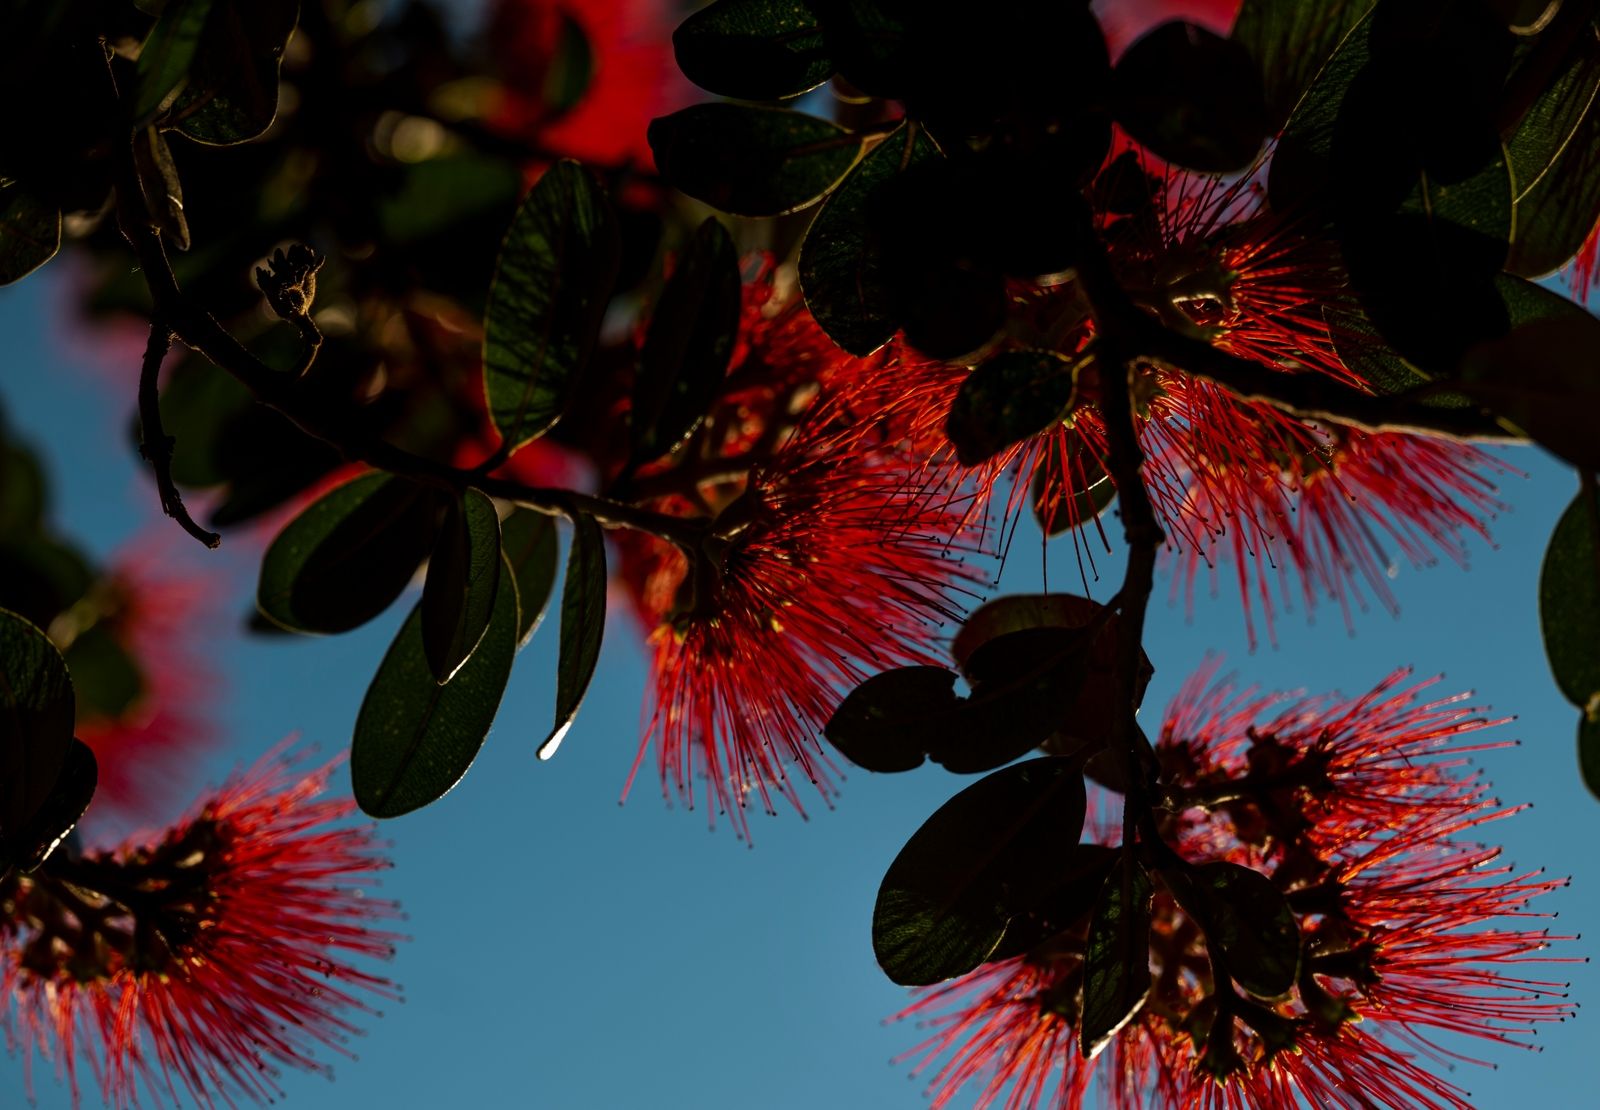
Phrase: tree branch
(155, 444)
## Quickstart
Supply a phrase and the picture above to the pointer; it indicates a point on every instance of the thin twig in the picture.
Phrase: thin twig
(155, 444)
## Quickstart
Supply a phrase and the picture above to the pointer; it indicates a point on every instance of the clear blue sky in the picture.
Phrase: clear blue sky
(569, 953)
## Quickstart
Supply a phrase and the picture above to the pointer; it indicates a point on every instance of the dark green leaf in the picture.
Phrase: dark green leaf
(1555, 163)
(583, 623)
(437, 196)
(1193, 98)
(891, 720)
(1250, 919)
(463, 580)
(687, 347)
(232, 94)
(1064, 905)
(30, 231)
(1007, 398)
(752, 161)
(1291, 41)
(1569, 602)
(986, 856)
(1544, 378)
(1070, 488)
(1117, 959)
(571, 68)
(163, 191)
(1589, 752)
(168, 54)
(22, 491)
(753, 49)
(39, 577)
(105, 677)
(841, 267)
(414, 738)
(344, 559)
(73, 792)
(556, 271)
(36, 718)
(531, 548)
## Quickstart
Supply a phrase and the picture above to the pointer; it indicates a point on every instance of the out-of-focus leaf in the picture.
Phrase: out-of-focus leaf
(107, 679)
(22, 490)
(1193, 98)
(1008, 398)
(841, 267)
(531, 548)
(753, 49)
(439, 194)
(985, 857)
(414, 738)
(232, 94)
(463, 581)
(1569, 602)
(344, 559)
(583, 624)
(752, 161)
(1117, 959)
(556, 271)
(36, 719)
(30, 231)
(688, 344)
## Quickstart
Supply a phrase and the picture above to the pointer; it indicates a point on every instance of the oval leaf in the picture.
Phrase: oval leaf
(1008, 398)
(61, 811)
(557, 267)
(414, 738)
(168, 54)
(30, 232)
(463, 577)
(687, 347)
(893, 719)
(1589, 753)
(841, 266)
(531, 549)
(752, 161)
(1069, 489)
(753, 49)
(232, 94)
(1193, 98)
(345, 558)
(36, 717)
(1291, 41)
(1251, 921)
(1117, 959)
(1569, 600)
(583, 624)
(1544, 378)
(986, 856)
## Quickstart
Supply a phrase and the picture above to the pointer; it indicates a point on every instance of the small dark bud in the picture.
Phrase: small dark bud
(289, 280)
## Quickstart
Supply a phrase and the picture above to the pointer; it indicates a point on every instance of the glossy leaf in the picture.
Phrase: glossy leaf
(30, 231)
(414, 738)
(753, 49)
(1250, 919)
(985, 857)
(1117, 958)
(1291, 41)
(232, 94)
(1555, 163)
(752, 161)
(463, 579)
(688, 344)
(531, 548)
(169, 53)
(1589, 752)
(1007, 398)
(890, 721)
(61, 811)
(583, 624)
(348, 555)
(1569, 601)
(36, 720)
(556, 271)
(841, 265)
(1193, 98)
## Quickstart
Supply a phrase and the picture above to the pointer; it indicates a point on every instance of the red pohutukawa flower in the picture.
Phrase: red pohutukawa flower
(1357, 812)
(815, 576)
(150, 604)
(209, 959)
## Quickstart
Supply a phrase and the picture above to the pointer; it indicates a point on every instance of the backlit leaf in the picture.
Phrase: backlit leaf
(753, 49)
(583, 623)
(1569, 601)
(1117, 959)
(463, 579)
(531, 548)
(36, 720)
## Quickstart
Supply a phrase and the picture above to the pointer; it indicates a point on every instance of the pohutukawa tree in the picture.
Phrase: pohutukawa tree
(1241, 296)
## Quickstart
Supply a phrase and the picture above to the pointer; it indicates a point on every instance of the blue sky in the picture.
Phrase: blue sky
(571, 953)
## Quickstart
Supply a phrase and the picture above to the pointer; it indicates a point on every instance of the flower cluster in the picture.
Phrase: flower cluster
(209, 959)
(1359, 813)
